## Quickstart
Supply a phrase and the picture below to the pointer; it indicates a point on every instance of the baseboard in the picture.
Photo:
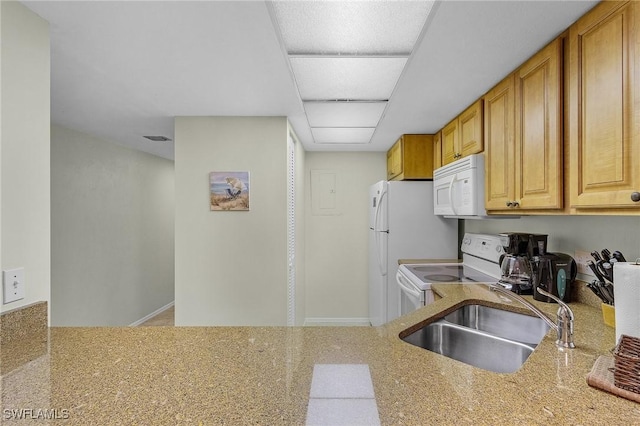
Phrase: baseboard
(332, 322)
(152, 314)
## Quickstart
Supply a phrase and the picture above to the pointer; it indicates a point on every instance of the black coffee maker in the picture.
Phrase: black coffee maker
(556, 273)
(519, 272)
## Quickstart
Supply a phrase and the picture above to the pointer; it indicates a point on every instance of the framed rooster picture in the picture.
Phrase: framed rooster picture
(229, 191)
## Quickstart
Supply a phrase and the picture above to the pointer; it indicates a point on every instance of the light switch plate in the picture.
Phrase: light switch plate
(13, 285)
(581, 258)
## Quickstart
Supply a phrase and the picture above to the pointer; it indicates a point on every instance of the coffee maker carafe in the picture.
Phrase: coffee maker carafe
(519, 273)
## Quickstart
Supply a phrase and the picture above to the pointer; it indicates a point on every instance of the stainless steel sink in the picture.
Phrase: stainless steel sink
(501, 323)
(487, 338)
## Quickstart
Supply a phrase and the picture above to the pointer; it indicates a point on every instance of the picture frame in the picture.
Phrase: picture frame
(229, 191)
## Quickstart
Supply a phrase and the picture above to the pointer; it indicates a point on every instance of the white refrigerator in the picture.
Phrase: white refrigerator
(402, 226)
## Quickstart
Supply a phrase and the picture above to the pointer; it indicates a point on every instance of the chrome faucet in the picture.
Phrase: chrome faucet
(564, 322)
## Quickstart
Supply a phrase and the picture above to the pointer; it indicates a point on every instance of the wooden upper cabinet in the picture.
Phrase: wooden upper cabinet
(394, 160)
(463, 135)
(604, 107)
(411, 158)
(437, 150)
(539, 136)
(470, 129)
(499, 132)
(523, 136)
(450, 142)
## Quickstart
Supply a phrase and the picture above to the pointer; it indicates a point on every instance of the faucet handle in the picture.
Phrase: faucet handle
(565, 321)
(557, 299)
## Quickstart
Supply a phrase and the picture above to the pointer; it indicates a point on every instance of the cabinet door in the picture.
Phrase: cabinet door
(394, 160)
(538, 140)
(470, 128)
(604, 106)
(437, 150)
(499, 145)
(450, 142)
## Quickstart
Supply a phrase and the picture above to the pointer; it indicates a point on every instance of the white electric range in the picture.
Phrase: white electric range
(480, 263)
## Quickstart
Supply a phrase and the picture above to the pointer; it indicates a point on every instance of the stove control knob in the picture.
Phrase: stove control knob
(466, 241)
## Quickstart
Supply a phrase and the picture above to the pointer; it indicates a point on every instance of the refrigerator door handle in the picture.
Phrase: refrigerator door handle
(379, 248)
(379, 254)
(377, 214)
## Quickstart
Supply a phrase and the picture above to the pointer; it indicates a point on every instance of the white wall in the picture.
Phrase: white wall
(337, 246)
(112, 231)
(25, 224)
(231, 266)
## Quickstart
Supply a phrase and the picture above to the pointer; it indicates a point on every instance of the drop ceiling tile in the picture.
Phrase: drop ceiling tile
(333, 78)
(344, 114)
(332, 135)
(340, 27)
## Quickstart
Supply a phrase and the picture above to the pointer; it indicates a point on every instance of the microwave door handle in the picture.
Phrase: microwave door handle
(406, 287)
(453, 206)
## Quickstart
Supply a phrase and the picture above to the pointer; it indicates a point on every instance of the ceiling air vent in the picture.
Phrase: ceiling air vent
(158, 138)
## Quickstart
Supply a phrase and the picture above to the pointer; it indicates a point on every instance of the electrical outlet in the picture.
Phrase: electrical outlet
(581, 257)
(13, 285)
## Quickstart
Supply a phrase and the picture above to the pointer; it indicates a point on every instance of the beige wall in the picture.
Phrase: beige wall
(25, 200)
(337, 245)
(112, 231)
(300, 291)
(231, 267)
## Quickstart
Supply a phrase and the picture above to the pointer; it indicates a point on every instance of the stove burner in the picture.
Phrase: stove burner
(441, 278)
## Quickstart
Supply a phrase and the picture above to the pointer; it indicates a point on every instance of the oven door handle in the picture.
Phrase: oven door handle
(407, 287)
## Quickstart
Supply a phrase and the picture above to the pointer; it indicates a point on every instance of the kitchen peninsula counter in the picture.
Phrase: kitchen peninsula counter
(262, 375)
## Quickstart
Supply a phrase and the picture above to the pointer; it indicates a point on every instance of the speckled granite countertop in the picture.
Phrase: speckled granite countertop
(262, 375)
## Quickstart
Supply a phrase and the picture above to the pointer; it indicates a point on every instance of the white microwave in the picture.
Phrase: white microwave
(458, 188)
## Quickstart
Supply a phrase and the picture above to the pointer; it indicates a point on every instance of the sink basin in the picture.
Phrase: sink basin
(471, 346)
(484, 337)
(501, 323)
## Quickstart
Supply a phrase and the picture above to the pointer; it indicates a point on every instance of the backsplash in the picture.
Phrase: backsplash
(570, 233)
(23, 335)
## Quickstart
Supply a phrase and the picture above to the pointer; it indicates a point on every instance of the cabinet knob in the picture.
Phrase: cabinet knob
(635, 197)
(509, 203)
(515, 204)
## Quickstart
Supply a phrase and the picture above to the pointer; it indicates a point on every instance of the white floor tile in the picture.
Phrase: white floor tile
(342, 412)
(341, 381)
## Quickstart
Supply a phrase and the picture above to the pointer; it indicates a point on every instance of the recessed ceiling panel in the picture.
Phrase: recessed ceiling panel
(344, 114)
(327, 135)
(350, 27)
(335, 78)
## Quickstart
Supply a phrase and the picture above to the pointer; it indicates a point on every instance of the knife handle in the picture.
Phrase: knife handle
(595, 270)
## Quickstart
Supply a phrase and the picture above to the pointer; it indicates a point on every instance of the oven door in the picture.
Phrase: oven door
(411, 297)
